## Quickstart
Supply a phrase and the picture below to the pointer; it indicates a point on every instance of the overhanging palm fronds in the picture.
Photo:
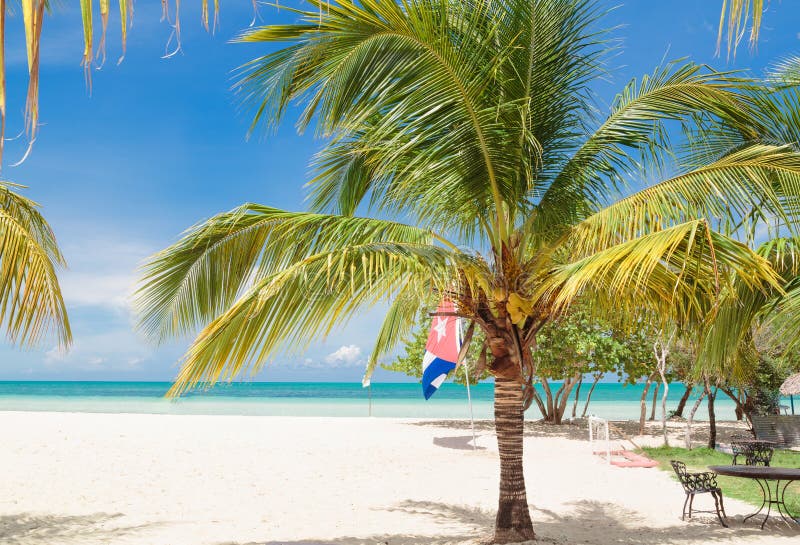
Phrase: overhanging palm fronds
(675, 271)
(635, 124)
(743, 311)
(285, 311)
(201, 275)
(757, 178)
(31, 306)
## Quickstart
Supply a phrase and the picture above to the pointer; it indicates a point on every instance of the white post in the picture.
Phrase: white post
(469, 400)
(367, 383)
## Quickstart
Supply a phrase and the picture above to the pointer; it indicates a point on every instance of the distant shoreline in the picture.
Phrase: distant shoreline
(392, 400)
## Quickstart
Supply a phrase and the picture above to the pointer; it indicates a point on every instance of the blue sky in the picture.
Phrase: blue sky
(161, 144)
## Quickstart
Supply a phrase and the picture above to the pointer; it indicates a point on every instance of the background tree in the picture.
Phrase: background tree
(575, 344)
(465, 120)
(683, 357)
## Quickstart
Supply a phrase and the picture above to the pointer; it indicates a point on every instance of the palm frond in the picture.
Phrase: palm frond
(400, 319)
(285, 311)
(411, 81)
(634, 132)
(676, 273)
(201, 275)
(761, 179)
(31, 305)
(733, 20)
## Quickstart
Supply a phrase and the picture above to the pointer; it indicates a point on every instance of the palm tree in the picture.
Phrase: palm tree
(31, 306)
(465, 155)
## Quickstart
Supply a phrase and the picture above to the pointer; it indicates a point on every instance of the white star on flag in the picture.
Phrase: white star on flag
(440, 327)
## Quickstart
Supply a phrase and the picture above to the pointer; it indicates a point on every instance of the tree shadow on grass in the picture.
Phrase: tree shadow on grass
(37, 529)
(590, 522)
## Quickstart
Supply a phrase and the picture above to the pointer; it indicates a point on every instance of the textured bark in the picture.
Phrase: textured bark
(737, 399)
(589, 397)
(712, 417)
(684, 398)
(653, 406)
(557, 402)
(691, 419)
(513, 523)
(577, 394)
(643, 404)
(567, 387)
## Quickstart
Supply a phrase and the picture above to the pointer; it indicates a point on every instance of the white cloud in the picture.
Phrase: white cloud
(96, 289)
(102, 273)
(345, 355)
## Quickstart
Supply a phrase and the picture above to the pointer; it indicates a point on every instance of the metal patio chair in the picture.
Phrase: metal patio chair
(699, 483)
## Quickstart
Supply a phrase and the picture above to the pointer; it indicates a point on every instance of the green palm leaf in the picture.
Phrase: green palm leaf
(285, 311)
(677, 272)
(202, 274)
(31, 305)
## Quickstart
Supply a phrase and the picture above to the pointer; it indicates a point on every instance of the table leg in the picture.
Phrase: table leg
(788, 517)
(763, 501)
(770, 501)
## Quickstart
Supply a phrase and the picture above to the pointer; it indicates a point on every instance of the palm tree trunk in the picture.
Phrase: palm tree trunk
(513, 521)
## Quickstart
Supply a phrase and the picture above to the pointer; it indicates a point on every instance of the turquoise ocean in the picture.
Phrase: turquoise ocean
(609, 400)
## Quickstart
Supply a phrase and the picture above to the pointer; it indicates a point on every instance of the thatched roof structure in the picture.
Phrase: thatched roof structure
(791, 386)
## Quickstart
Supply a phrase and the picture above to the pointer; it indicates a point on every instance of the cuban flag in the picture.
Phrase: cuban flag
(441, 351)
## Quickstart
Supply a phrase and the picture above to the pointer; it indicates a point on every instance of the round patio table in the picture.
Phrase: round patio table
(763, 475)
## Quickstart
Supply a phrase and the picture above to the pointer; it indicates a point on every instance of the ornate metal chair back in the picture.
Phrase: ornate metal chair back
(683, 476)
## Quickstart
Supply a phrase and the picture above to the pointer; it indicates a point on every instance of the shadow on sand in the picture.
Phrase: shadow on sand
(578, 429)
(462, 442)
(595, 523)
(30, 529)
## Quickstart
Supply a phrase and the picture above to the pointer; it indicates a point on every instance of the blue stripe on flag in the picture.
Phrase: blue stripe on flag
(434, 370)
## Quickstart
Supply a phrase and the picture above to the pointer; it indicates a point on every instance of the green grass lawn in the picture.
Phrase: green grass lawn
(732, 487)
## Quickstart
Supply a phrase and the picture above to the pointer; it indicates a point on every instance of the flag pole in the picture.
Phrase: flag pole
(367, 383)
(469, 400)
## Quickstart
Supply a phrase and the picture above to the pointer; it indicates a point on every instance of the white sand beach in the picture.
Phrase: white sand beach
(180, 480)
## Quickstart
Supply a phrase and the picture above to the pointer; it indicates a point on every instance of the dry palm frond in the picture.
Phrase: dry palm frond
(733, 20)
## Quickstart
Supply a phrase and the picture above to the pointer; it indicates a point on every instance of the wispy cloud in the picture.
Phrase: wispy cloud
(117, 349)
(102, 273)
